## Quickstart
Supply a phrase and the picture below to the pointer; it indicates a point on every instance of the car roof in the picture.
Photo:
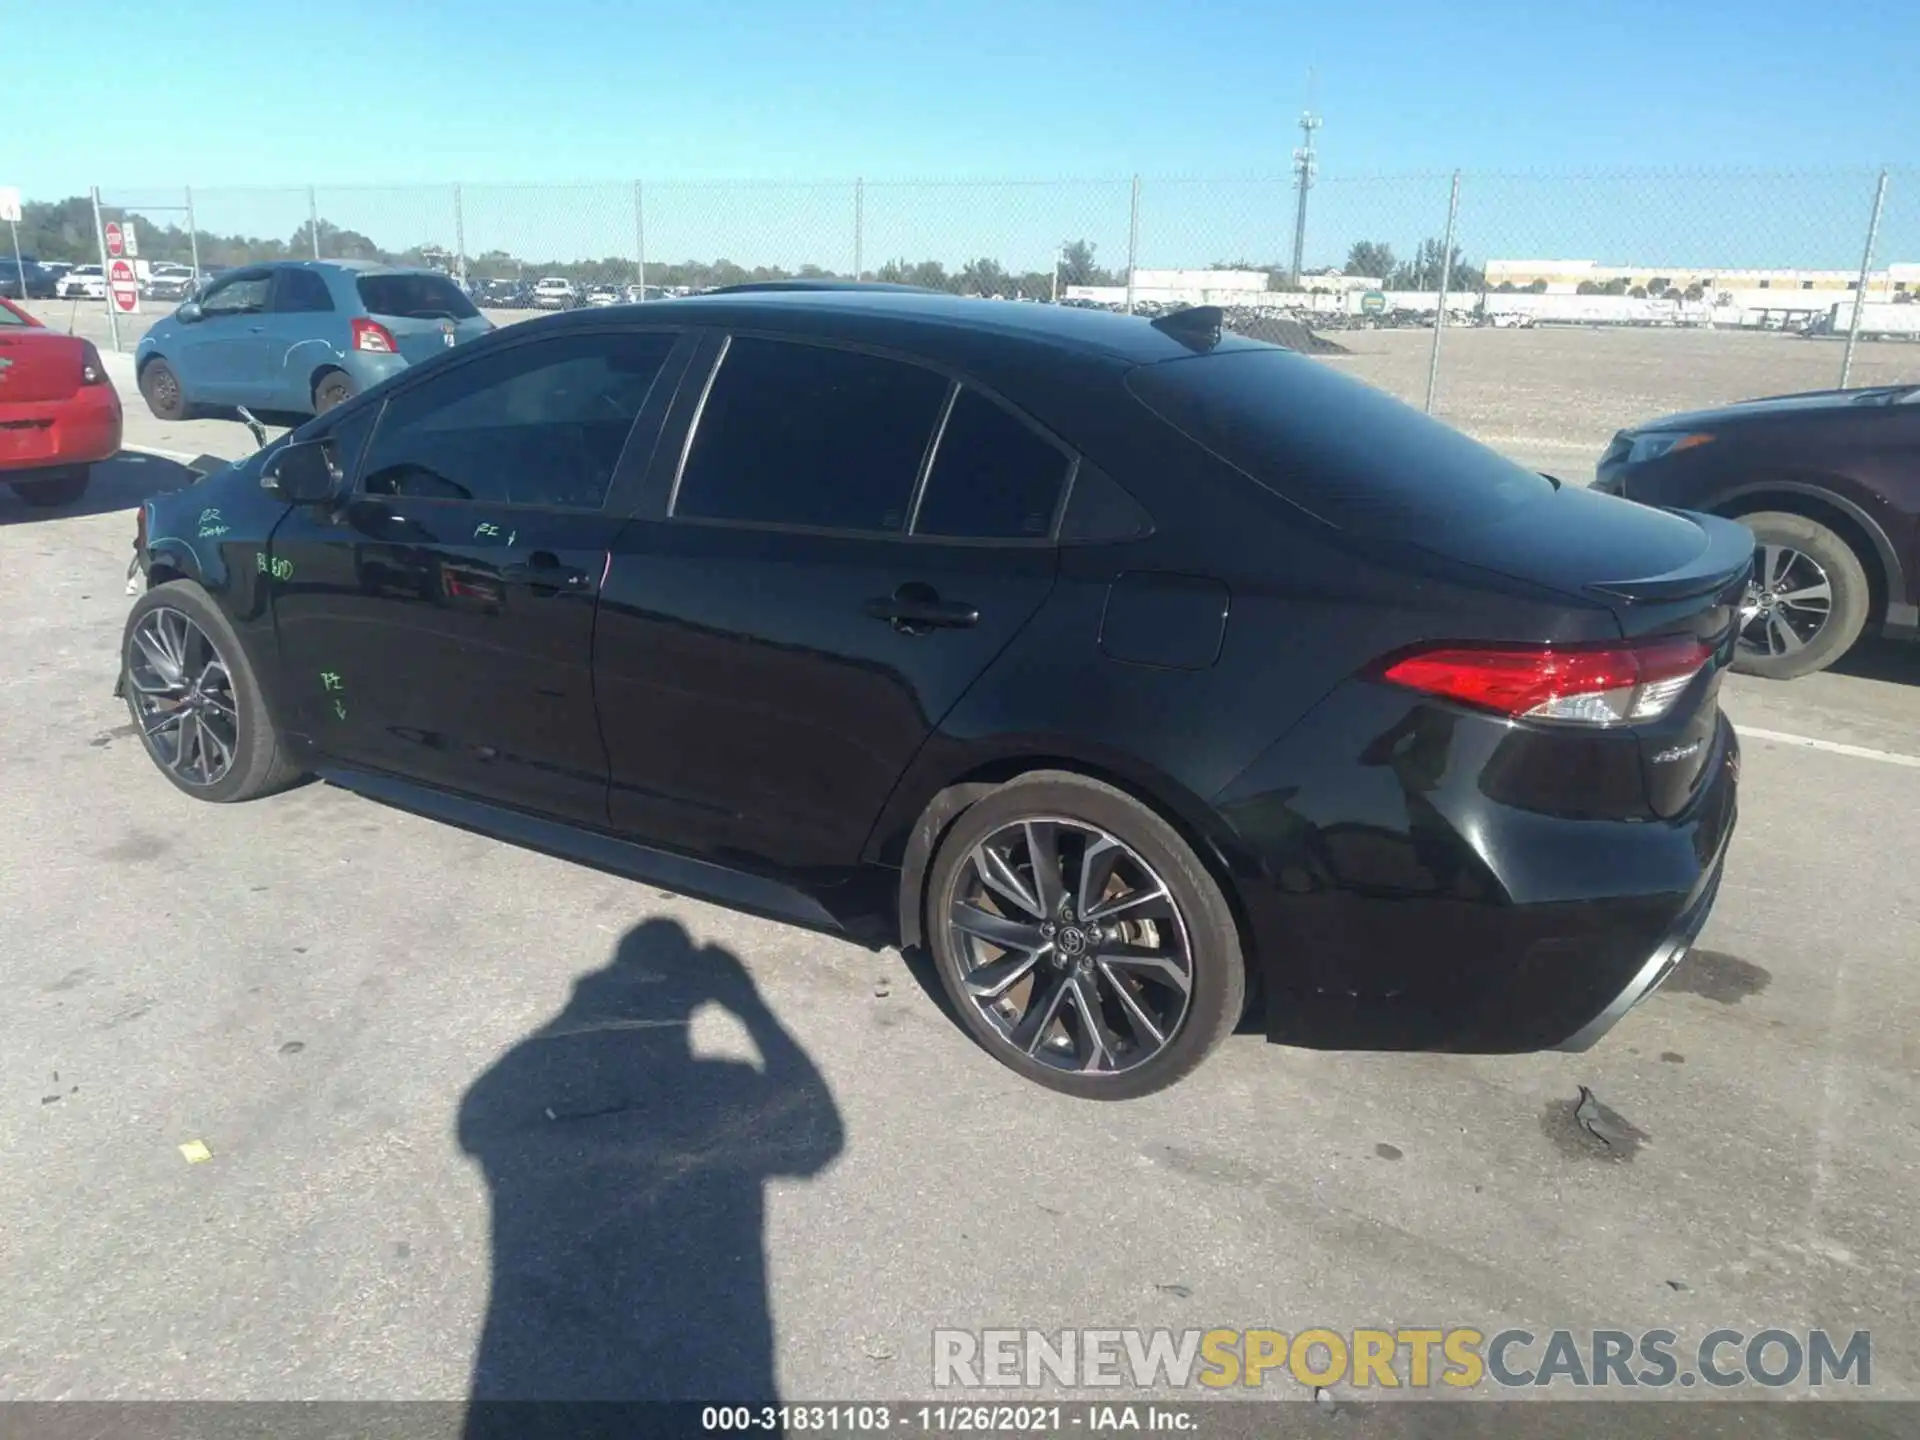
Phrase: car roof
(930, 323)
(354, 267)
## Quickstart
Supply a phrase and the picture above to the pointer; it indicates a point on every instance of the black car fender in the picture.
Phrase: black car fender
(1728, 501)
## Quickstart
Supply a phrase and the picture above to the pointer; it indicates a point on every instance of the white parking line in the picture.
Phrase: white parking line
(1831, 747)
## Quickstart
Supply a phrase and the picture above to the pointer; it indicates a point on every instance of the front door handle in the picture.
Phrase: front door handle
(545, 575)
(914, 609)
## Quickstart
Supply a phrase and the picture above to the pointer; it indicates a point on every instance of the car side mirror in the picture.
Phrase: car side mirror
(189, 313)
(302, 474)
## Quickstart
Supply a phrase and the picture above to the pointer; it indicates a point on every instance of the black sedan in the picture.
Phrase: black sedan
(1829, 483)
(1144, 675)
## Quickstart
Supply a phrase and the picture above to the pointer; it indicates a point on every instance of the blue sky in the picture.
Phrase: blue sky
(364, 94)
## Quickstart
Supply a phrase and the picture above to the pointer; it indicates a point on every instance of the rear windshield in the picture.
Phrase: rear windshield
(1345, 452)
(415, 297)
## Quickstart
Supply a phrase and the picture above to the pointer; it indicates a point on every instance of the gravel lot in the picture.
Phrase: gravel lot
(376, 1024)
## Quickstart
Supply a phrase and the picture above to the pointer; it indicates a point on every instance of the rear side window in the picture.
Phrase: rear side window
(537, 424)
(1341, 450)
(414, 297)
(994, 477)
(796, 434)
(300, 291)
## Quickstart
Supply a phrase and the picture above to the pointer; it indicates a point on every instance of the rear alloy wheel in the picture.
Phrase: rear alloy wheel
(335, 388)
(192, 693)
(160, 388)
(1807, 601)
(1081, 940)
(53, 487)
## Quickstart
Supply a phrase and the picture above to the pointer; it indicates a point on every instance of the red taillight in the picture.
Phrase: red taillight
(1581, 685)
(371, 335)
(92, 372)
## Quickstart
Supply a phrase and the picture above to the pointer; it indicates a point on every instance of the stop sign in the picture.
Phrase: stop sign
(124, 286)
(116, 243)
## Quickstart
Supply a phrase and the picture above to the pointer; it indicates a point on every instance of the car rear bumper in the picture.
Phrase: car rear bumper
(1450, 922)
(84, 428)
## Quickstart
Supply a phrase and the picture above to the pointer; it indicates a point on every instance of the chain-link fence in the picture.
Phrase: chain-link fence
(1563, 305)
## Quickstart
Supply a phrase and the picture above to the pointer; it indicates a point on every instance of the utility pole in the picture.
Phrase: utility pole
(1304, 169)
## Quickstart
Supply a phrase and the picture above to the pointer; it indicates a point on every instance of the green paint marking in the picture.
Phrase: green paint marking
(339, 709)
(485, 529)
(283, 569)
(330, 679)
(260, 561)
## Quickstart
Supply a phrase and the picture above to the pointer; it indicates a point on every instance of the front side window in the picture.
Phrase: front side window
(994, 477)
(795, 434)
(538, 424)
(242, 295)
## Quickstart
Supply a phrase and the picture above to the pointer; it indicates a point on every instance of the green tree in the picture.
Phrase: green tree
(983, 277)
(1371, 258)
(1423, 272)
(1538, 287)
(1077, 266)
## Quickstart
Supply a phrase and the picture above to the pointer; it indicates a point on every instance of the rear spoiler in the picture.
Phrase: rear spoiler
(1726, 560)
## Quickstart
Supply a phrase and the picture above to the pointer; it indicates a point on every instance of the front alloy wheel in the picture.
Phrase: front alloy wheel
(1788, 600)
(182, 696)
(1072, 947)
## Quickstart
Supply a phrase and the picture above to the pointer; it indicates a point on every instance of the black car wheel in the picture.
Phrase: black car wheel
(1807, 602)
(1081, 940)
(194, 696)
(160, 388)
(335, 388)
(53, 487)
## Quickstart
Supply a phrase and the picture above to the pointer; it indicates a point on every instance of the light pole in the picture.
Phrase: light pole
(1059, 259)
(1304, 168)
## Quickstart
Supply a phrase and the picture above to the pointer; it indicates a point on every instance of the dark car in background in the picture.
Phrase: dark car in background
(1829, 483)
(503, 294)
(1130, 668)
(24, 278)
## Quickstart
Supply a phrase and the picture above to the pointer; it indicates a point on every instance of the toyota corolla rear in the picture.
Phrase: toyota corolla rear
(1504, 819)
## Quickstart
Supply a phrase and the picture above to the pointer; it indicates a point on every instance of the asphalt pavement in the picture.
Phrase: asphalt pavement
(409, 1054)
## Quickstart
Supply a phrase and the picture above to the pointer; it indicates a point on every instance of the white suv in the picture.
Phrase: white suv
(553, 293)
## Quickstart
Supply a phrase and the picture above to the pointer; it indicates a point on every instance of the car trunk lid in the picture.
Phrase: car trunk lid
(426, 314)
(38, 366)
(1379, 470)
(1661, 573)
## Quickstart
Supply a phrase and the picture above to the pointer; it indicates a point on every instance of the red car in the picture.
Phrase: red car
(59, 413)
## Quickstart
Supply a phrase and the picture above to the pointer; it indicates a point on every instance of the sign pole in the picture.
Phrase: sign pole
(18, 264)
(100, 234)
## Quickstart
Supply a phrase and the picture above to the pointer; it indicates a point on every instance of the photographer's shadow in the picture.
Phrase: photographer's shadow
(626, 1177)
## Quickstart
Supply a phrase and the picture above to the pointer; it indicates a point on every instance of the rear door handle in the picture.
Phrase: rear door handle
(545, 575)
(914, 609)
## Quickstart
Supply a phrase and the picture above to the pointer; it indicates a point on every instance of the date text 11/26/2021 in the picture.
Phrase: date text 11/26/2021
(960, 1419)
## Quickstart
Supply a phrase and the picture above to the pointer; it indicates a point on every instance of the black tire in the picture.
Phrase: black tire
(261, 763)
(54, 487)
(336, 387)
(1217, 973)
(160, 387)
(1766, 647)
